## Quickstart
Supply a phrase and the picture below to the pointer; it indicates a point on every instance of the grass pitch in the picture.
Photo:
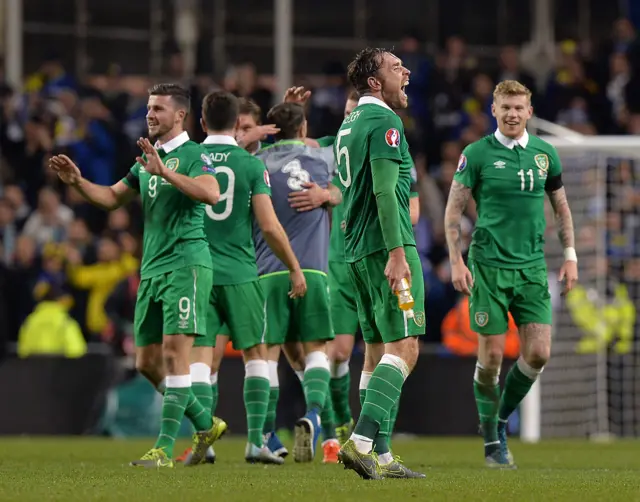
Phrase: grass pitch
(86, 469)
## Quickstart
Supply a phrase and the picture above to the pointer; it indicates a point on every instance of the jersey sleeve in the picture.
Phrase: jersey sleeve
(201, 165)
(467, 172)
(260, 183)
(385, 137)
(132, 179)
(555, 166)
(413, 189)
(326, 141)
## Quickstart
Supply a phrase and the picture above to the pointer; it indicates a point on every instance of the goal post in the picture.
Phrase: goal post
(589, 387)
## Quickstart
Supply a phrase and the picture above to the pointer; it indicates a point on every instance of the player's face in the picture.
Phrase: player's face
(512, 113)
(349, 107)
(246, 123)
(393, 79)
(162, 115)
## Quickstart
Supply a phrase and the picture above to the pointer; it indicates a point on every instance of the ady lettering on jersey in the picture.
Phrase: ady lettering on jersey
(229, 224)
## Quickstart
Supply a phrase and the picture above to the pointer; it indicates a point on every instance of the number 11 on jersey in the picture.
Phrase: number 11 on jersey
(529, 173)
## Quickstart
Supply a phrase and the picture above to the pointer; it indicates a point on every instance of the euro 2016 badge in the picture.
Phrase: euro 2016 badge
(462, 163)
(392, 137)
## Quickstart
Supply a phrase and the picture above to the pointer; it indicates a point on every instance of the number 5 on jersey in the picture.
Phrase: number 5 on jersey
(343, 153)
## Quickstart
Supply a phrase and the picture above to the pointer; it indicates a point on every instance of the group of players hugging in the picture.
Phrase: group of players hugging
(293, 245)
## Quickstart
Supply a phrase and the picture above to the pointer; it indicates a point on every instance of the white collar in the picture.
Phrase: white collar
(510, 143)
(371, 100)
(219, 139)
(171, 145)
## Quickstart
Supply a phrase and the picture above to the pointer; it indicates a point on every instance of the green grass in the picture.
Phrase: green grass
(81, 469)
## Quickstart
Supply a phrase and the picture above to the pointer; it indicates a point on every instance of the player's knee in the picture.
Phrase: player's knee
(407, 349)
(341, 354)
(149, 363)
(492, 359)
(537, 355)
(339, 369)
(486, 375)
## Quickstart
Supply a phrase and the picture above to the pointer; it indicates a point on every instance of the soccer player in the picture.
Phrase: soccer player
(175, 182)
(344, 313)
(249, 133)
(237, 301)
(507, 174)
(374, 168)
(291, 164)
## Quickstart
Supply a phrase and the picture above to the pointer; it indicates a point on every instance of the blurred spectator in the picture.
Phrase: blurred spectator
(8, 232)
(242, 80)
(16, 199)
(50, 78)
(120, 309)
(416, 61)
(50, 330)
(619, 76)
(50, 220)
(92, 146)
(23, 276)
(510, 69)
(114, 265)
(327, 101)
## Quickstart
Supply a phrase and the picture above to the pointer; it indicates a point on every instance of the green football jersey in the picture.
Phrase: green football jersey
(326, 141)
(371, 132)
(173, 223)
(229, 223)
(507, 179)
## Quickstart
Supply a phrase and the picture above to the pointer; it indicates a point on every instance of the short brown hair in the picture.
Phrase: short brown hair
(250, 107)
(511, 88)
(366, 64)
(220, 110)
(288, 117)
(353, 96)
(179, 94)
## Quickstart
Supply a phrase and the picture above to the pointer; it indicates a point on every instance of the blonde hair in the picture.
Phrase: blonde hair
(508, 88)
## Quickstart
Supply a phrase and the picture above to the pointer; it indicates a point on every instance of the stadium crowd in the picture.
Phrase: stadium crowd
(59, 254)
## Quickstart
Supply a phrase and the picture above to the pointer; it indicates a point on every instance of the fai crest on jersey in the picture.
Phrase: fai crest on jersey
(482, 318)
(462, 163)
(542, 161)
(267, 180)
(172, 164)
(392, 137)
(418, 318)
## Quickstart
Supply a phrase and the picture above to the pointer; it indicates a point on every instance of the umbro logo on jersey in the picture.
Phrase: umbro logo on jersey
(499, 164)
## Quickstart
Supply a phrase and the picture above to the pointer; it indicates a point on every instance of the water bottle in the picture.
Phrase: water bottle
(405, 299)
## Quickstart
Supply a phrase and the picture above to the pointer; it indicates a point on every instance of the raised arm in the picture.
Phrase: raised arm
(456, 204)
(104, 197)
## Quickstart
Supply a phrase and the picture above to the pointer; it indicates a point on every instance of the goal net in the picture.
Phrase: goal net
(591, 386)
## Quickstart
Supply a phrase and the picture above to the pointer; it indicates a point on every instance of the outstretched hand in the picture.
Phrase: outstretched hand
(153, 163)
(65, 168)
(296, 95)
